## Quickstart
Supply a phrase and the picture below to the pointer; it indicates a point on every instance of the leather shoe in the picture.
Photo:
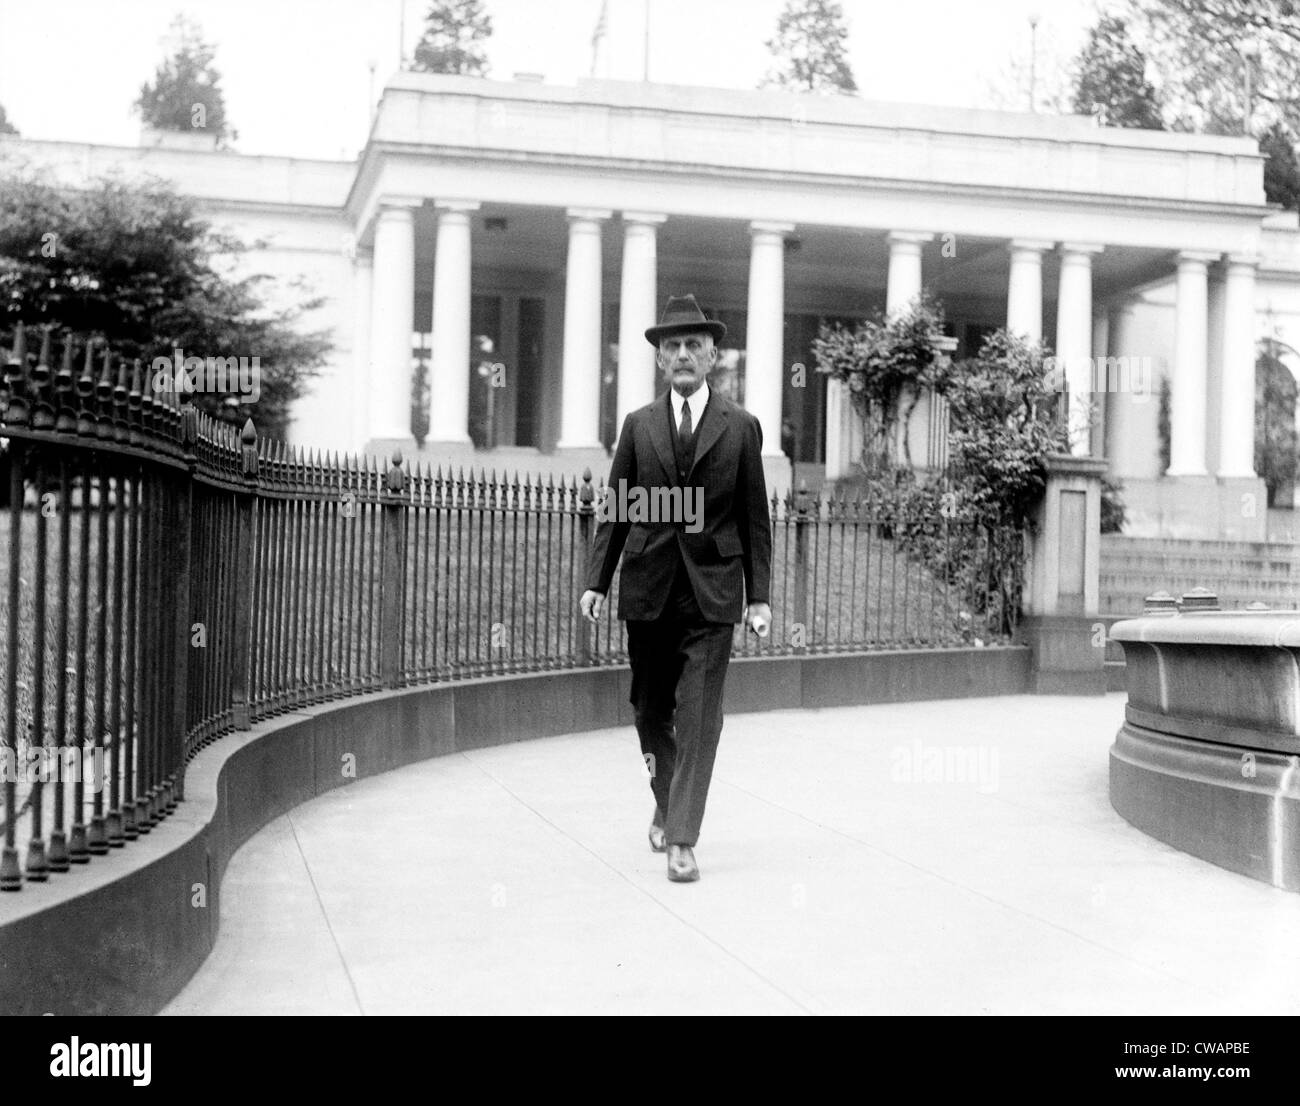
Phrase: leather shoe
(681, 864)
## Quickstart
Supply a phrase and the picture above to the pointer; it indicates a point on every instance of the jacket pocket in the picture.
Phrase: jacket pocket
(728, 544)
(636, 539)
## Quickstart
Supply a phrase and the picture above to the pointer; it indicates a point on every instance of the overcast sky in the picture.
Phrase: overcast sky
(296, 73)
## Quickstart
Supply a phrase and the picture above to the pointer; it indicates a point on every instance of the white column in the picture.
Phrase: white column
(1074, 340)
(903, 286)
(363, 272)
(580, 398)
(1187, 381)
(1122, 420)
(1214, 309)
(1237, 399)
(637, 311)
(1100, 352)
(449, 358)
(904, 281)
(843, 431)
(765, 341)
(1025, 288)
(392, 319)
(838, 461)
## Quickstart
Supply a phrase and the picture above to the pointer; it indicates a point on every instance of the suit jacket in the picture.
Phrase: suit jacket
(731, 556)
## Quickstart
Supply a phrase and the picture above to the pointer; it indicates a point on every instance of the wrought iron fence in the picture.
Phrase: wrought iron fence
(170, 578)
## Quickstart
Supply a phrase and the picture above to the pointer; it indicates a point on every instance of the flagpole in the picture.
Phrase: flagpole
(597, 35)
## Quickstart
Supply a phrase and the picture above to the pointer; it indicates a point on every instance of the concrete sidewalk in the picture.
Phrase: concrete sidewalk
(924, 858)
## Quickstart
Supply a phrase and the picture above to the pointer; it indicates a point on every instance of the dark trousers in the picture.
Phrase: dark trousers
(679, 667)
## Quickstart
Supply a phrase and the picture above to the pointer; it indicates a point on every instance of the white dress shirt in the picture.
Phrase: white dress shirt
(699, 398)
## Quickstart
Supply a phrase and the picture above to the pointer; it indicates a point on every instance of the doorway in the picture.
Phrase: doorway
(506, 358)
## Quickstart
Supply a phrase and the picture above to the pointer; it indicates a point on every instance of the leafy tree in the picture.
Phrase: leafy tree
(1113, 512)
(1004, 415)
(185, 93)
(1004, 410)
(452, 41)
(131, 264)
(6, 127)
(1111, 72)
(1004, 419)
(811, 48)
(887, 363)
(1207, 52)
(1199, 47)
(1275, 432)
(1282, 169)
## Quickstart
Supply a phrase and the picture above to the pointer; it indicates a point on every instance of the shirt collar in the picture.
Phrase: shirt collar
(699, 399)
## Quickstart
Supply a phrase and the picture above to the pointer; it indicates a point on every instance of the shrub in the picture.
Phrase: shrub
(887, 364)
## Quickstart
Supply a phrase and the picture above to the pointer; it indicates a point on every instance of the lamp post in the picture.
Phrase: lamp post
(1249, 51)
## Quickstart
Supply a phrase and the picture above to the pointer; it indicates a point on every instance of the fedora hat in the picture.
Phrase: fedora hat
(682, 315)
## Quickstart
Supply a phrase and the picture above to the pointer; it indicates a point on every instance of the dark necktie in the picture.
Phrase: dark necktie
(684, 430)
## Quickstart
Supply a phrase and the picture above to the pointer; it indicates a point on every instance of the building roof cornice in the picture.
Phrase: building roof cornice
(798, 109)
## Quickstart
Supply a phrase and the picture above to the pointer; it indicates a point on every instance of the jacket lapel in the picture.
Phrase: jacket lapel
(712, 426)
(661, 437)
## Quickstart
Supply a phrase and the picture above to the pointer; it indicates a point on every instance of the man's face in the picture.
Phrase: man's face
(686, 359)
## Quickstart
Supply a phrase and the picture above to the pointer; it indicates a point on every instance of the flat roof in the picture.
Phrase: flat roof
(791, 107)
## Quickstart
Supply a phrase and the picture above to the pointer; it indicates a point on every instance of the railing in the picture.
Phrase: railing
(170, 579)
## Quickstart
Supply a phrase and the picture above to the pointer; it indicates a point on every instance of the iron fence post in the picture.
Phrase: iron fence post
(244, 579)
(586, 515)
(11, 876)
(392, 573)
(183, 545)
(802, 519)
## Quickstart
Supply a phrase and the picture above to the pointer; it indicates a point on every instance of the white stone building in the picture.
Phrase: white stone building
(519, 237)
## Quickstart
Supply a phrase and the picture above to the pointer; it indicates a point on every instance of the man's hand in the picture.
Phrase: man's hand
(758, 617)
(591, 604)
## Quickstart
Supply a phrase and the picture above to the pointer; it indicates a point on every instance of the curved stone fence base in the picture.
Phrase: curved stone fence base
(126, 934)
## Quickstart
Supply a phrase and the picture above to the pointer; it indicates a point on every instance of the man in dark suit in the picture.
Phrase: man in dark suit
(685, 580)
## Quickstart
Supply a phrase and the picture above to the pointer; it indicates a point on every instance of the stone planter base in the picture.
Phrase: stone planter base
(1208, 759)
(1239, 809)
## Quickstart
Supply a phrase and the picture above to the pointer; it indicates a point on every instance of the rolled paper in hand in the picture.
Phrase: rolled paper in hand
(760, 625)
